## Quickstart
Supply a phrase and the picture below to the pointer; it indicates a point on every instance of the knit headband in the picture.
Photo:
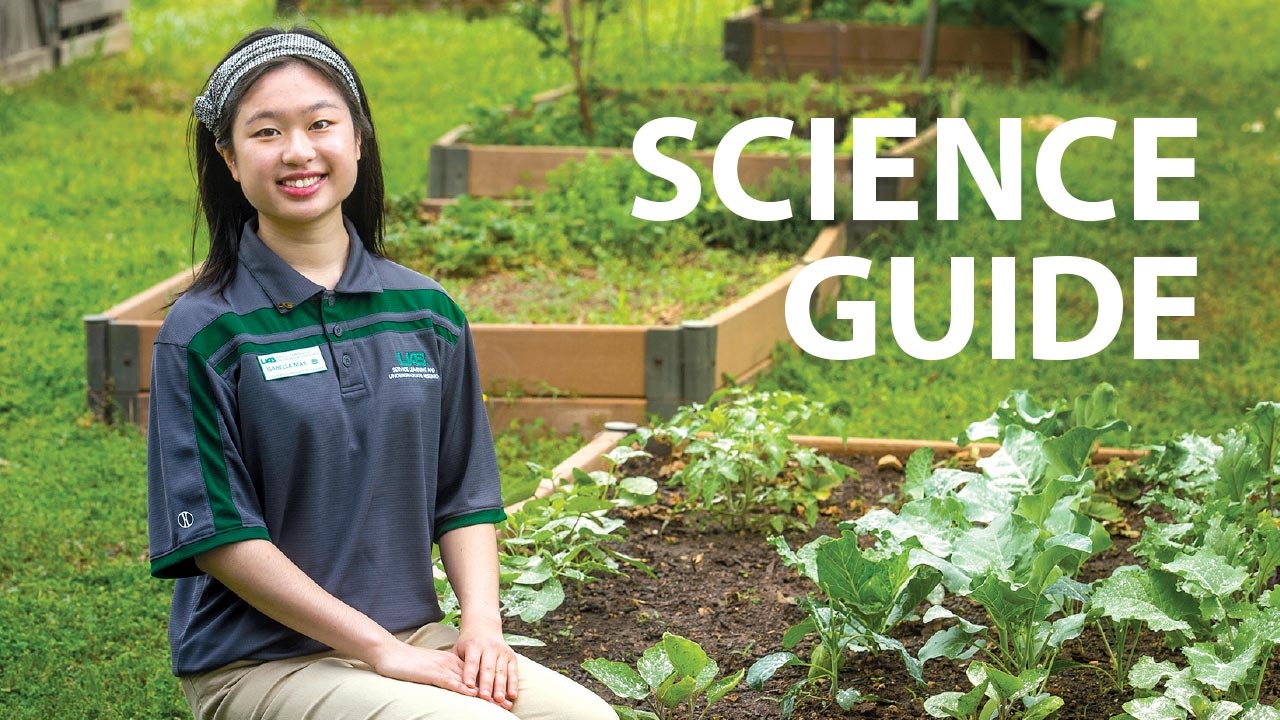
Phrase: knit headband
(209, 106)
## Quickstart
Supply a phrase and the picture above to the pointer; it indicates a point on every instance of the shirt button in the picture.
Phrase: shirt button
(337, 331)
(346, 361)
(331, 301)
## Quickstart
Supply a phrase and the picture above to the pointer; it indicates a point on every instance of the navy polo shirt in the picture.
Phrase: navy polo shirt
(345, 427)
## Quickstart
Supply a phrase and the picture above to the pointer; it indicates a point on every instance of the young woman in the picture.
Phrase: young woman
(316, 426)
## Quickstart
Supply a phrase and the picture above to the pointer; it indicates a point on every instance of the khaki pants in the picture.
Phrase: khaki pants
(326, 686)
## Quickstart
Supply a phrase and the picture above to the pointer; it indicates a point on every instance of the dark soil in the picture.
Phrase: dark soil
(730, 592)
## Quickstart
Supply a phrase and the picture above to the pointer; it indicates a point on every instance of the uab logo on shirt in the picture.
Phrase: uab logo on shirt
(411, 359)
(412, 366)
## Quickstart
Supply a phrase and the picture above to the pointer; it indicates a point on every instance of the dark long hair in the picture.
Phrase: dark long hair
(222, 204)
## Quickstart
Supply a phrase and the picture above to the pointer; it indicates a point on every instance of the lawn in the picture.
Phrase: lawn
(97, 206)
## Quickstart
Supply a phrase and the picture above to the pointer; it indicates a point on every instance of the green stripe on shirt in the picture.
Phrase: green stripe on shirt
(209, 446)
(480, 517)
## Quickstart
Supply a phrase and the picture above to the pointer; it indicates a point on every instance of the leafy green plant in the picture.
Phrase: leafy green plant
(1262, 425)
(567, 536)
(675, 677)
(1097, 409)
(1207, 584)
(1012, 538)
(740, 468)
(1222, 487)
(863, 596)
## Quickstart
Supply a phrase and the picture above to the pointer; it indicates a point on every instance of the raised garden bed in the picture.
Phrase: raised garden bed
(730, 592)
(461, 167)
(1036, 582)
(770, 47)
(569, 374)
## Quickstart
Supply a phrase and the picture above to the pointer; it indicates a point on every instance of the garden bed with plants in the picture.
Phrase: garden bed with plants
(837, 38)
(503, 149)
(1032, 583)
(581, 313)
(573, 253)
(573, 298)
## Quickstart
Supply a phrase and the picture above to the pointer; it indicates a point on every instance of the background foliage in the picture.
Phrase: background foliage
(97, 198)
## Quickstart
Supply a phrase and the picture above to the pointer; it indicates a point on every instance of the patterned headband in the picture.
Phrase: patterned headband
(209, 106)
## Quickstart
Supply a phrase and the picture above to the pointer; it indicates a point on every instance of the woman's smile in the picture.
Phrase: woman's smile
(302, 184)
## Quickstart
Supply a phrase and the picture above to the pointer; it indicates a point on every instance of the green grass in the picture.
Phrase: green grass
(1173, 59)
(97, 207)
(97, 200)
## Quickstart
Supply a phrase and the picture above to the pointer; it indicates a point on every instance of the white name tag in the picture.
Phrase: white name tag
(295, 362)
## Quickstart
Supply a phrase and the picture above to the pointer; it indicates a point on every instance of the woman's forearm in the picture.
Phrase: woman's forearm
(264, 577)
(470, 556)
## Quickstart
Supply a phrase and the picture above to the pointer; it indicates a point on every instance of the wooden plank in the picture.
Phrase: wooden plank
(830, 241)
(921, 148)
(150, 303)
(72, 13)
(147, 332)
(749, 329)
(564, 415)
(749, 375)
(588, 458)
(833, 50)
(497, 170)
(22, 27)
(904, 447)
(143, 405)
(577, 360)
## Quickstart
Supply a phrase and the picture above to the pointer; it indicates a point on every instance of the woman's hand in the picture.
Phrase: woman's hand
(401, 661)
(489, 666)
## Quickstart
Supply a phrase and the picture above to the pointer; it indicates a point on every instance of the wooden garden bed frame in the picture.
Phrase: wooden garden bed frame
(769, 47)
(458, 167)
(590, 457)
(569, 375)
(74, 29)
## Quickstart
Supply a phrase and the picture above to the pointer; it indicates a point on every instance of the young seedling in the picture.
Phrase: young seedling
(675, 678)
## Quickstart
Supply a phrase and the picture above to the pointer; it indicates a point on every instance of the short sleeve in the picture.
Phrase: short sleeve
(199, 495)
(469, 489)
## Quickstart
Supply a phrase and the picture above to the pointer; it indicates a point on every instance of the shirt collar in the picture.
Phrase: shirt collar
(286, 288)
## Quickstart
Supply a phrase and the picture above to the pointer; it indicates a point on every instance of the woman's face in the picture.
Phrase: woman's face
(294, 150)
